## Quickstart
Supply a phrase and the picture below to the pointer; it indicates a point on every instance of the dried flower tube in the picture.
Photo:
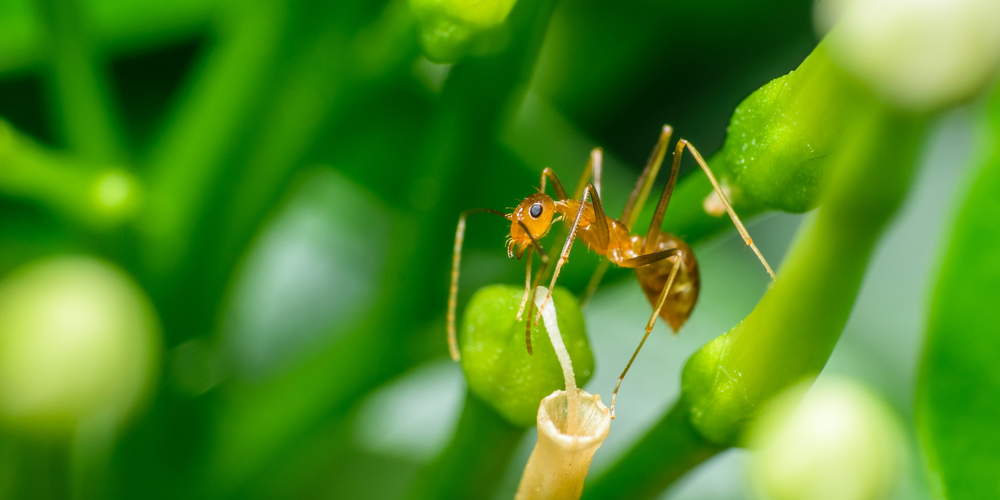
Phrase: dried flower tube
(572, 424)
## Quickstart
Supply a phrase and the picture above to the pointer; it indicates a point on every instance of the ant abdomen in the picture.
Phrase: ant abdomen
(684, 293)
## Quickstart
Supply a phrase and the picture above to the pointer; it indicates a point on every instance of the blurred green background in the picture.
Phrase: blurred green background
(285, 180)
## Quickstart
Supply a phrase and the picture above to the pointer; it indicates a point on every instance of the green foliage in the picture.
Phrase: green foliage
(958, 392)
(450, 29)
(167, 136)
(496, 362)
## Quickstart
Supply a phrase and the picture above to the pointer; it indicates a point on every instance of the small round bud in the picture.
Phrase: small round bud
(840, 443)
(496, 362)
(78, 338)
(450, 29)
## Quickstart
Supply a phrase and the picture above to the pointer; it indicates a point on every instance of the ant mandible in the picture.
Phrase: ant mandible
(664, 265)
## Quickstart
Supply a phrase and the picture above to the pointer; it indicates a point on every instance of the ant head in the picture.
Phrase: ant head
(536, 213)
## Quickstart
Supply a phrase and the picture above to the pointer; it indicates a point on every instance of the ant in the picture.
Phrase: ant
(664, 265)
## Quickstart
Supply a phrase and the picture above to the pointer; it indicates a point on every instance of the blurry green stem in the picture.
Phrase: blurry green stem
(476, 458)
(664, 454)
(80, 85)
(315, 90)
(67, 187)
(218, 108)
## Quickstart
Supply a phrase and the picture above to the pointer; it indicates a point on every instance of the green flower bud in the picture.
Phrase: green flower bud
(496, 362)
(781, 138)
(840, 443)
(78, 339)
(450, 29)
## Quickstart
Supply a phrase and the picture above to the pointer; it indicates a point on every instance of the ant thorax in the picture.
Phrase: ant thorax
(619, 244)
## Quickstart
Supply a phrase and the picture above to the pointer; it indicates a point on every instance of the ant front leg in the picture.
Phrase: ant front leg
(603, 236)
(528, 285)
(456, 262)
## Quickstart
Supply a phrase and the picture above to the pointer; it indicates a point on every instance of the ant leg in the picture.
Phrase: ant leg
(649, 326)
(661, 206)
(603, 235)
(556, 185)
(725, 202)
(456, 261)
(636, 200)
(649, 258)
(527, 286)
(527, 279)
(524, 299)
(632, 263)
(595, 165)
(644, 184)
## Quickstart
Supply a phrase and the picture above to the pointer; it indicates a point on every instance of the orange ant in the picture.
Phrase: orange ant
(664, 265)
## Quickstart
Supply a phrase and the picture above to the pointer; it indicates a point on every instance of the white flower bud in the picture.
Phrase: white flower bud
(78, 339)
(839, 443)
(917, 54)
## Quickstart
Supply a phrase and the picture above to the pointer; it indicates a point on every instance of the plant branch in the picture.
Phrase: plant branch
(79, 84)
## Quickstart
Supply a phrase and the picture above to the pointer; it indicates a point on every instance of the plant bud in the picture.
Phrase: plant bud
(496, 362)
(450, 29)
(781, 138)
(840, 443)
(78, 339)
(918, 55)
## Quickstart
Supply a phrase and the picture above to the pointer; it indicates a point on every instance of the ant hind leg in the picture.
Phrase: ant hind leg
(725, 202)
(656, 311)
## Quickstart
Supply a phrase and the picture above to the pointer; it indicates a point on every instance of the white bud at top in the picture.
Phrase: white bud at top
(838, 443)
(917, 54)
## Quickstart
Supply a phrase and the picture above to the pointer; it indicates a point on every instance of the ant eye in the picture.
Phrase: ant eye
(535, 210)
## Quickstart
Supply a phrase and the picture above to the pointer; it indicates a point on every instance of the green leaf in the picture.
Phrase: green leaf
(496, 362)
(958, 391)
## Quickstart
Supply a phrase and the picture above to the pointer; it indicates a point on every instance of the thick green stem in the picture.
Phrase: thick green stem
(792, 331)
(79, 84)
(87, 193)
(218, 108)
(670, 449)
(476, 458)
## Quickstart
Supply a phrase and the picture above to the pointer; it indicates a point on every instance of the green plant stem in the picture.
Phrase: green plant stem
(475, 459)
(670, 449)
(79, 84)
(60, 183)
(218, 107)
(315, 90)
(792, 331)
